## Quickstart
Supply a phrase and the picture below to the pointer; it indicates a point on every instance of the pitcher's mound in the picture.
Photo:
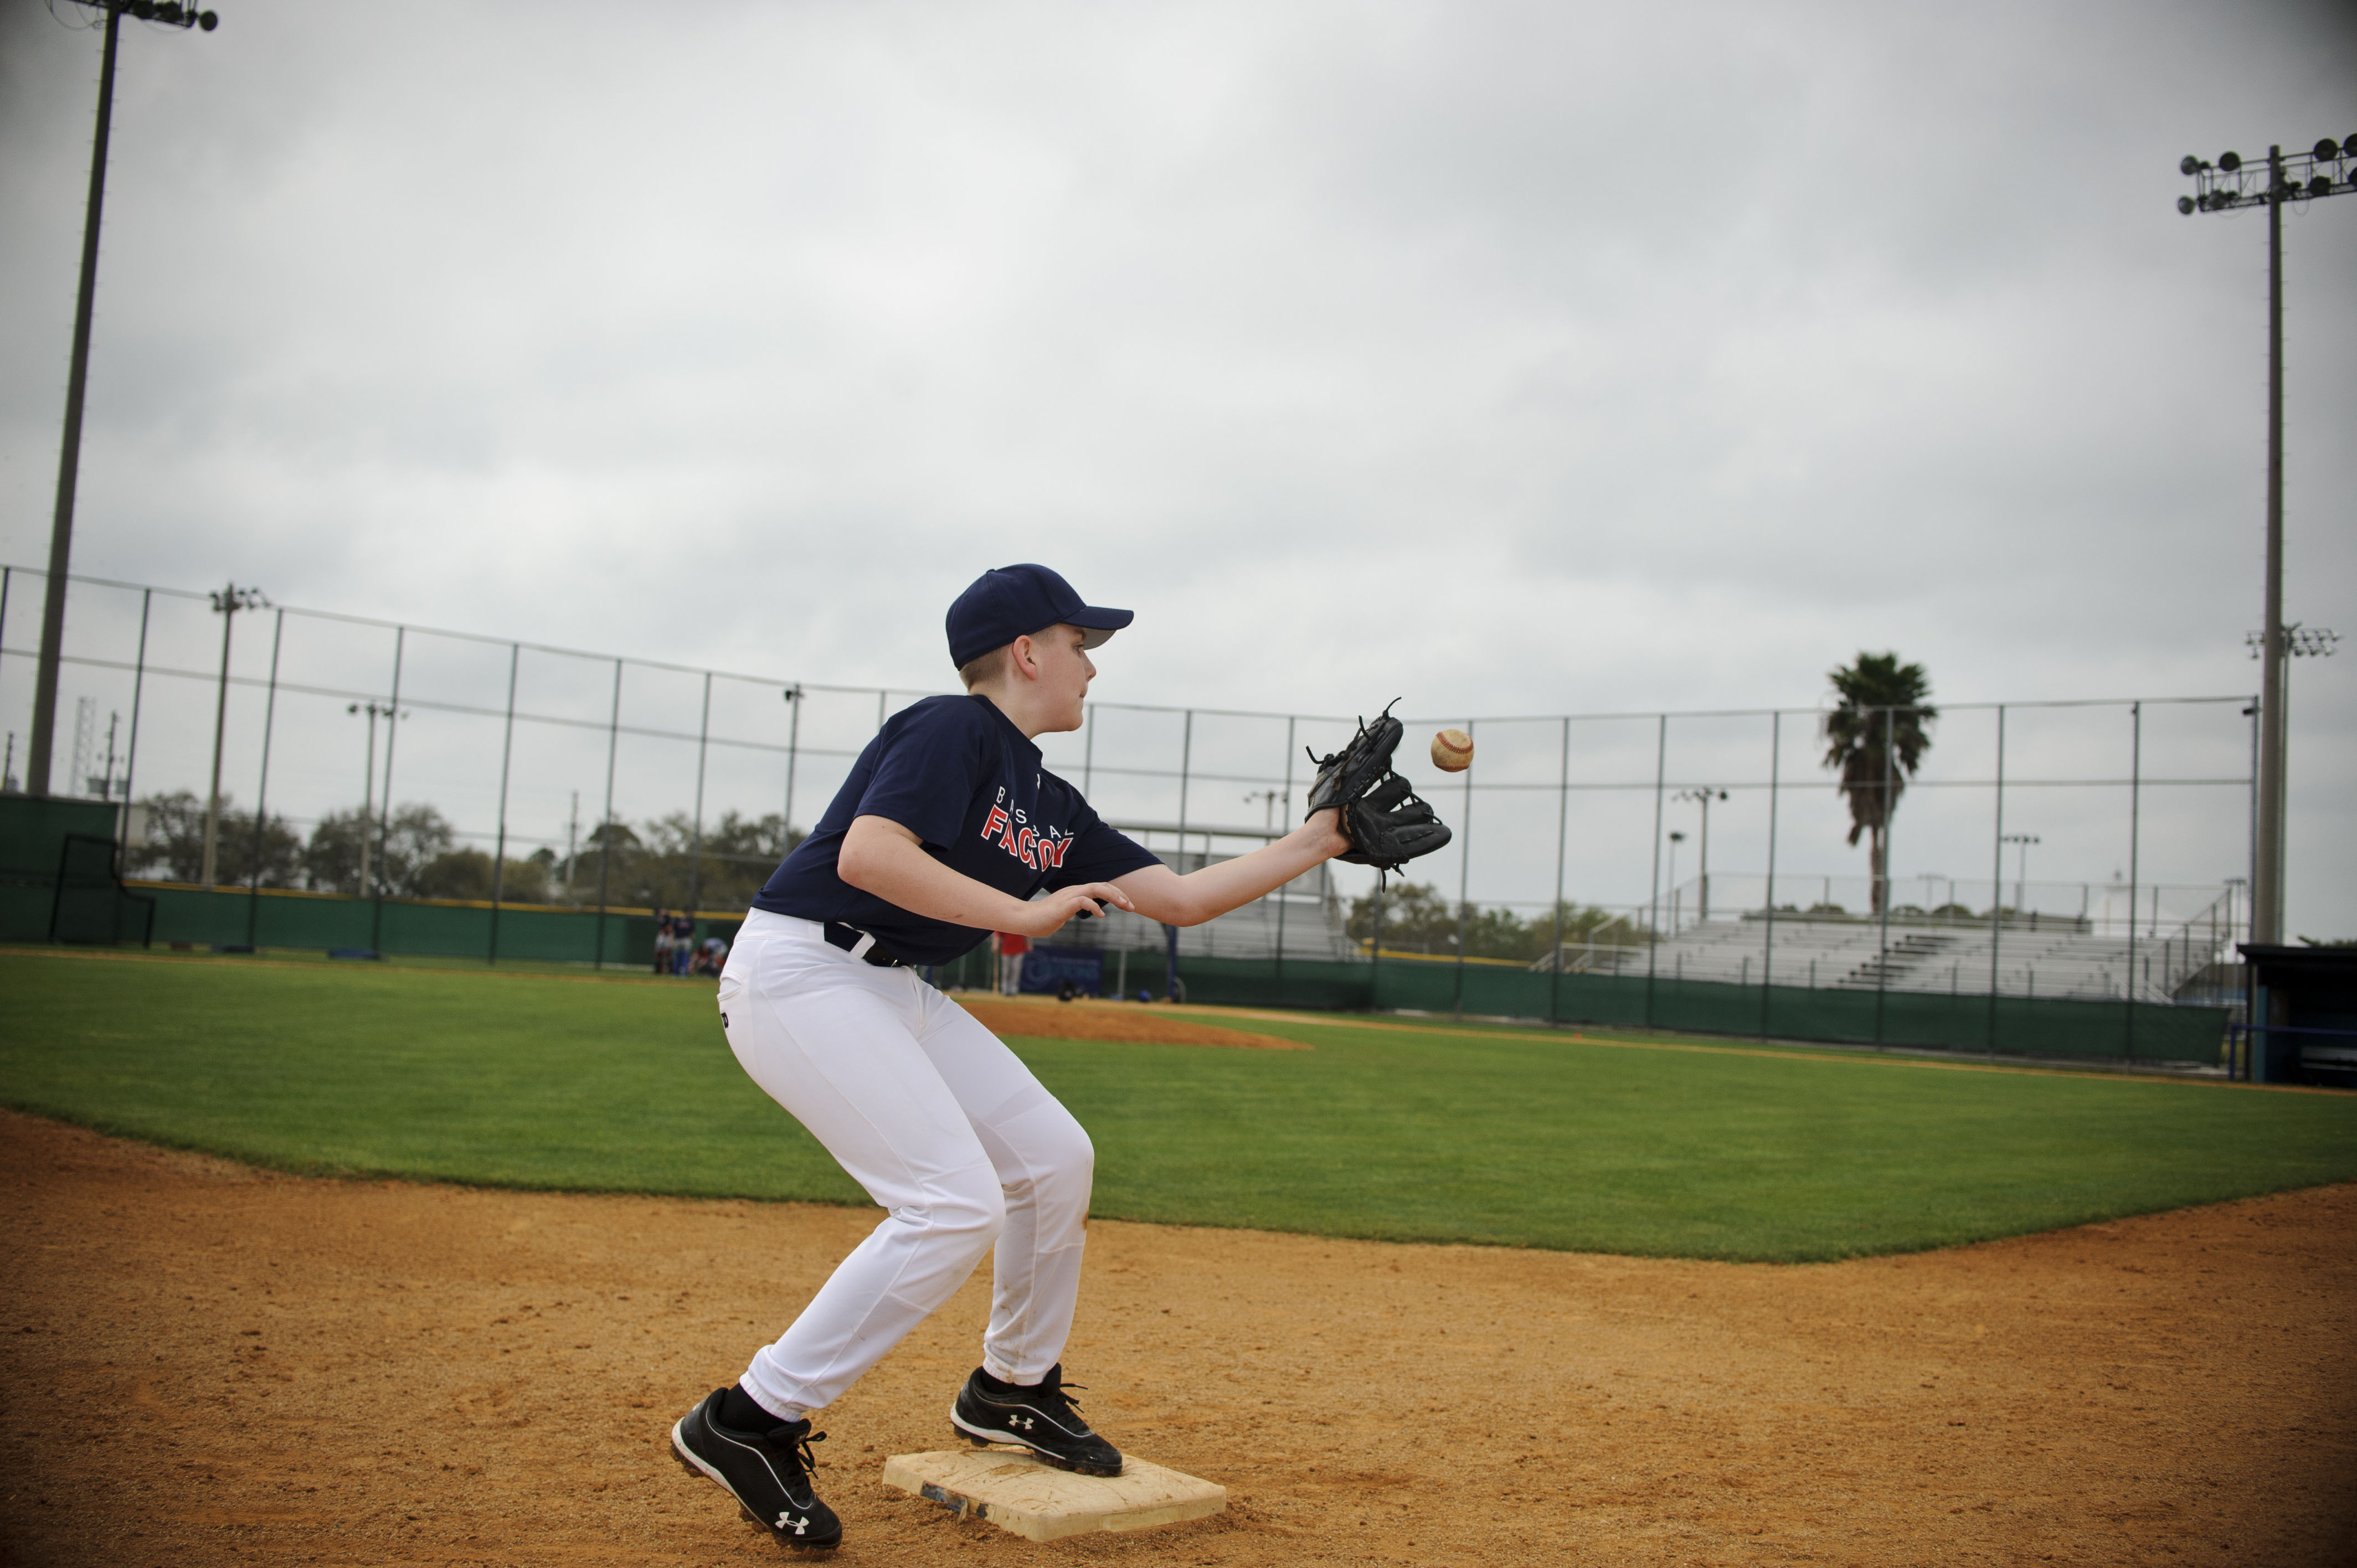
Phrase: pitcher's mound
(1015, 1492)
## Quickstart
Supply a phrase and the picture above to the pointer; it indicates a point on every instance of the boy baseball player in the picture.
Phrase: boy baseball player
(948, 827)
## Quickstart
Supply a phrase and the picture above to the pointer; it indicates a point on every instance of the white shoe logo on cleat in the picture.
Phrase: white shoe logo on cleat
(788, 1521)
(1022, 1421)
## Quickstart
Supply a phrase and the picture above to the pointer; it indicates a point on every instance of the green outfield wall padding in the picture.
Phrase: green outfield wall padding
(280, 918)
(33, 834)
(2015, 1025)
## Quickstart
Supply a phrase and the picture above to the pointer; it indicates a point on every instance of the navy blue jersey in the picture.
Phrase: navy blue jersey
(957, 773)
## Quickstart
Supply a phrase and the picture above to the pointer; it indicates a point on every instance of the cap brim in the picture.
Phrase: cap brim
(1098, 624)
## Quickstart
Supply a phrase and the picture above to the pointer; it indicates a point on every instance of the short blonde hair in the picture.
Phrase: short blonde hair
(985, 666)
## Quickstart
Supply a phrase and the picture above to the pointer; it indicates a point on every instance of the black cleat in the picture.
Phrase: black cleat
(766, 1472)
(1040, 1417)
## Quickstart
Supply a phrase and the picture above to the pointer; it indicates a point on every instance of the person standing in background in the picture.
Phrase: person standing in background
(1012, 946)
(662, 942)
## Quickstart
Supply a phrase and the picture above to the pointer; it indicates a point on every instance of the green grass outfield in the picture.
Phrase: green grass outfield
(1518, 1137)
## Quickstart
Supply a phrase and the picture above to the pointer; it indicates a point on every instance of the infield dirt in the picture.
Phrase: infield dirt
(206, 1364)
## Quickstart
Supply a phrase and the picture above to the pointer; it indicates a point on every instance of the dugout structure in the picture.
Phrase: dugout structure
(2303, 1015)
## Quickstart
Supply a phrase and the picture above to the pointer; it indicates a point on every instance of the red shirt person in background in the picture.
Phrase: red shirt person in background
(1012, 946)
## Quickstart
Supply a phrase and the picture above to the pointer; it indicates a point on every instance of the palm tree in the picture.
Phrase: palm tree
(1875, 736)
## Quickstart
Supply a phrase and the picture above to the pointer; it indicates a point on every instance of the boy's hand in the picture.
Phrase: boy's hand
(1046, 916)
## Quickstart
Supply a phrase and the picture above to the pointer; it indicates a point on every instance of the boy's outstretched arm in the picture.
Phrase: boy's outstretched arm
(1160, 893)
(882, 857)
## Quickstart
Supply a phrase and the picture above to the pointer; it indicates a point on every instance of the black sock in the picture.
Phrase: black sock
(741, 1411)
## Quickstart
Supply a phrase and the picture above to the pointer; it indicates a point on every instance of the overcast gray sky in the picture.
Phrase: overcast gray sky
(1519, 357)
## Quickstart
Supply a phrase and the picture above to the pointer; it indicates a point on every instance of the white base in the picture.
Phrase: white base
(1017, 1492)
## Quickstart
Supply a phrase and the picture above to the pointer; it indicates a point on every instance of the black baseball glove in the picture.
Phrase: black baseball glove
(1388, 826)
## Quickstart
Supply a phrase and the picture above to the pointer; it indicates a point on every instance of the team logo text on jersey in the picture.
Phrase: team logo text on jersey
(1040, 852)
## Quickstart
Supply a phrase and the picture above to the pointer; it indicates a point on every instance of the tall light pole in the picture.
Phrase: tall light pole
(2021, 868)
(2298, 642)
(375, 711)
(1702, 798)
(2330, 168)
(53, 599)
(227, 601)
(1676, 837)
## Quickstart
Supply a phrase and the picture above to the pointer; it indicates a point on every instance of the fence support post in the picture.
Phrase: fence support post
(1562, 831)
(1653, 899)
(2135, 804)
(1290, 721)
(384, 820)
(1464, 877)
(261, 790)
(696, 836)
(1186, 763)
(1883, 880)
(138, 690)
(1996, 881)
(793, 751)
(499, 844)
(1768, 941)
(606, 822)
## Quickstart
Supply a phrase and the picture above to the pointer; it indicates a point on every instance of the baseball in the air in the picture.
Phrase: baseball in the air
(1452, 751)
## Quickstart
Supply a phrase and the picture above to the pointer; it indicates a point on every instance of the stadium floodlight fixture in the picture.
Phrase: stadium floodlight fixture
(375, 711)
(2022, 842)
(2229, 184)
(2299, 641)
(227, 603)
(168, 12)
(1702, 795)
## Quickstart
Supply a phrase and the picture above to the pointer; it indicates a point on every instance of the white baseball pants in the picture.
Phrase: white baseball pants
(945, 1129)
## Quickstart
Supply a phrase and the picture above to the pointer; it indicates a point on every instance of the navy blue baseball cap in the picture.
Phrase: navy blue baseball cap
(1009, 602)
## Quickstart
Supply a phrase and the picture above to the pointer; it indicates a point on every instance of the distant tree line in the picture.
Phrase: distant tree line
(415, 853)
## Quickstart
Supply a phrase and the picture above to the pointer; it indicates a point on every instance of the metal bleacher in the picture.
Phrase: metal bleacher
(2056, 959)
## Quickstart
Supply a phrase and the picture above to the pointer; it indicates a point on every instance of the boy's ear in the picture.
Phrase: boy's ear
(1023, 658)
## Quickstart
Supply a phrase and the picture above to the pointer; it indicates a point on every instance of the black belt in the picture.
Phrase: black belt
(862, 946)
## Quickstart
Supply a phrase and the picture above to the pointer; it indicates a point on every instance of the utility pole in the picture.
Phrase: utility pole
(53, 598)
(227, 601)
(2330, 168)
